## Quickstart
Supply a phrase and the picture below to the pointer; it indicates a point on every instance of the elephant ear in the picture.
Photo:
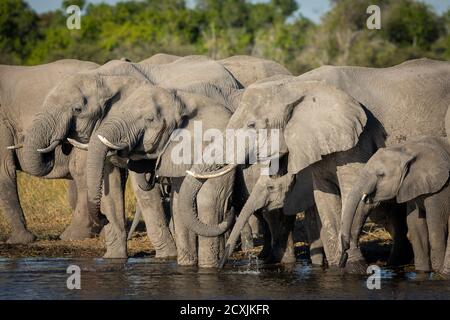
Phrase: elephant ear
(110, 87)
(301, 195)
(197, 111)
(427, 171)
(325, 120)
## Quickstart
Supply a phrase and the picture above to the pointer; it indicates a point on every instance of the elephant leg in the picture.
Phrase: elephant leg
(72, 196)
(281, 230)
(155, 221)
(9, 197)
(255, 227)
(313, 227)
(246, 237)
(436, 217)
(267, 237)
(113, 206)
(81, 226)
(186, 241)
(397, 226)
(418, 235)
(328, 202)
(446, 267)
(212, 204)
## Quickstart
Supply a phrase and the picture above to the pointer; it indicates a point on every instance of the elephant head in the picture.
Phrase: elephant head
(144, 127)
(72, 109)
(403, 172)
(267, 194)
(313, 118)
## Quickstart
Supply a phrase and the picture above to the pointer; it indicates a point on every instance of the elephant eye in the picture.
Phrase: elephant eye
(380, 174)
(149, 118)
(251, 124)
(77, 109)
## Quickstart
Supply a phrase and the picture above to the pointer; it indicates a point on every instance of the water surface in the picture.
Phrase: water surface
(149, 278)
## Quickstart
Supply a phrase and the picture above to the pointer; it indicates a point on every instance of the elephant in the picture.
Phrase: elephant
(160, 58)
(78, 104)
(278, 195)
(22, 92)
(145, 124)
(332, 119)
(248, 69)
(415, 172)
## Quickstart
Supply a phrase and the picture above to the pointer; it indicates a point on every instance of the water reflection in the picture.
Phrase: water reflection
(148, 278)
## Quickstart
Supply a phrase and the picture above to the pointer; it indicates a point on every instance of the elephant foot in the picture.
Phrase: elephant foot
(356, 267)
(318, 259)
(166, 253)
(76, 233)
(247, 245)
(21, 237)
(115, 253)
(288, 258)
(445, 273)
(422, 267)
(116, 243)
(186, 259)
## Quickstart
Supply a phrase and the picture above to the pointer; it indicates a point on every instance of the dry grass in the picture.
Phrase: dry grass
(48, 213)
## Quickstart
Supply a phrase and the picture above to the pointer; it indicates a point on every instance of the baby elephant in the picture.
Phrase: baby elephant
(415, 172)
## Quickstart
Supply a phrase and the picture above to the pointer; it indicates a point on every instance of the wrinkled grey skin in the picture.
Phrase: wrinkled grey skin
(160, 58)
(79, 103)
(248, 69)
(415, 172)
(22, 92)
(334, 118)
(148, 137)
(144, 124)
(278, 195)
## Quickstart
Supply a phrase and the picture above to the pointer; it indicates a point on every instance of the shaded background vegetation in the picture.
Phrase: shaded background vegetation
(273, 29)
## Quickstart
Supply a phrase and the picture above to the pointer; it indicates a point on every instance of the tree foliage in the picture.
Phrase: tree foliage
(273, 29)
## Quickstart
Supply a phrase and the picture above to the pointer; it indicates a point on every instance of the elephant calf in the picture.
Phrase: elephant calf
(415, 172)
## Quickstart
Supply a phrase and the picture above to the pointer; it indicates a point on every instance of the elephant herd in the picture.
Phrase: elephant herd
(352, 141)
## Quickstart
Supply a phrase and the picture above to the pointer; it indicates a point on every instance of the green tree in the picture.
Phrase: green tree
(18, 30)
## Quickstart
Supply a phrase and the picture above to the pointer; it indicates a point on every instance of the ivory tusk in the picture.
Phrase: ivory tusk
(50, 148)
(364, 197)
(109, 144)
(15, 147)
(77, 144)
(220, 173)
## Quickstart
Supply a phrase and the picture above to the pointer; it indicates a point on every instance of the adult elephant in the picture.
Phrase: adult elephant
(143, 126)
(22, 92)
(79, 103)
(160, 58)
(332, 120)
(248, 69)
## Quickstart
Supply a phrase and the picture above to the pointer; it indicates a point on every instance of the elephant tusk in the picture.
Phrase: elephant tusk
(50, 148)
(364, 197)
(110, 144)
(77, 144)
(15, 147)
(220, 173)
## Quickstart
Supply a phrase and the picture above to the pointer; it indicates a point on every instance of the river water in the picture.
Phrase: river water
(148, 278)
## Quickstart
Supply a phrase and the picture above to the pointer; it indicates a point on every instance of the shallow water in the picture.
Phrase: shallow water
(148, 278)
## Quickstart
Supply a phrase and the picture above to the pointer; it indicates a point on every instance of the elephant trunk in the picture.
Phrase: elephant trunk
(108, 136)
(187, 206)
(353, 219)
(95, 173)
(45, 134)
(249, 208)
